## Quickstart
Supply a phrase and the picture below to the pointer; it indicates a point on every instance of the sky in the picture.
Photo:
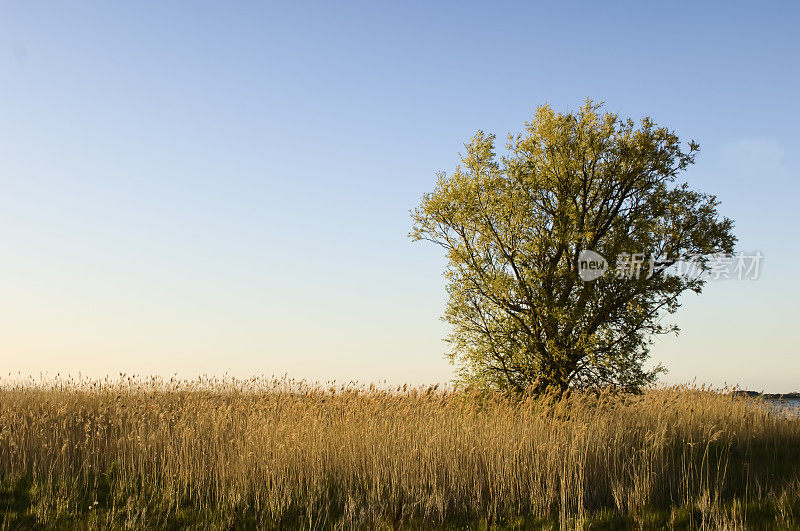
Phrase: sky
(224, 187)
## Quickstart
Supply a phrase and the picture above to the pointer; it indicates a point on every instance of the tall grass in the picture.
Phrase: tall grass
(275, 453)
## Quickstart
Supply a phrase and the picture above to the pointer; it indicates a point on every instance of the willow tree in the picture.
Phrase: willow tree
(515, 226)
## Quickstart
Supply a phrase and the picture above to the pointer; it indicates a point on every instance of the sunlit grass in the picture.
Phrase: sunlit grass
(270, 453)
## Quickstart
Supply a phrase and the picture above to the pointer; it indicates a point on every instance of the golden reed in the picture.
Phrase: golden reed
(278, 453)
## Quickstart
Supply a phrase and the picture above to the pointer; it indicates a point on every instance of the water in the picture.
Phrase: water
(787, 406)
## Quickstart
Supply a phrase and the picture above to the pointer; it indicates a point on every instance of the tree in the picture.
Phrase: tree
(514, 230)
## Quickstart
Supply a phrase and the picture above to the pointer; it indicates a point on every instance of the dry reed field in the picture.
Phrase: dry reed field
(223, 453)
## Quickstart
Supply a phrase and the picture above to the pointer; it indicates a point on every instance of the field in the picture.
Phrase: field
(222, 453)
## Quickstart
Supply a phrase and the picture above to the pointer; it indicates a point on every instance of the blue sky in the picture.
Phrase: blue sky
(202, 187)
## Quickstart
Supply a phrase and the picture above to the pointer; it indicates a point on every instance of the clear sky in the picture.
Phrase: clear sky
(202, 187)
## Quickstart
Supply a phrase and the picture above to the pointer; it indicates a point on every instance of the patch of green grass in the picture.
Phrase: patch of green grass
(20, 509)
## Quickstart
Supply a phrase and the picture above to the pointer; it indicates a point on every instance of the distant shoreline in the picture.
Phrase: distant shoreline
(771, 396)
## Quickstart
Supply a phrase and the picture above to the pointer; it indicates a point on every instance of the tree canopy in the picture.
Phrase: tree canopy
(515, 227)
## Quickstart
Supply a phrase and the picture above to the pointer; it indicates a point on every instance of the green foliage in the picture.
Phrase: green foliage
(513, 228)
